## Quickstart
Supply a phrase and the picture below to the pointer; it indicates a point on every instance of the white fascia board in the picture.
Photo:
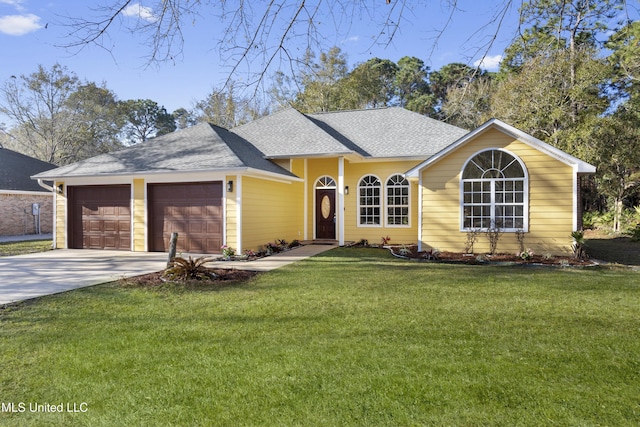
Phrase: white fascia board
(173, 176)
(578, 165)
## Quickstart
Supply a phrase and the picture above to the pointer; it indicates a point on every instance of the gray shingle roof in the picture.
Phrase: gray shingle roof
(289, 133)
(389, 132)
(16, 170)
(203, 147)
(378, 133)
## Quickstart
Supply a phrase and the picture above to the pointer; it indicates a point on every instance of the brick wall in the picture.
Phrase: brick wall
(16, 216)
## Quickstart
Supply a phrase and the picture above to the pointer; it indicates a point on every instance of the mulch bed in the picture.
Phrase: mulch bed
(223, 277)
(460, 258)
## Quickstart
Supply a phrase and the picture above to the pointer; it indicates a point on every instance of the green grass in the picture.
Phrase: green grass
(351, 337)
(26, 247)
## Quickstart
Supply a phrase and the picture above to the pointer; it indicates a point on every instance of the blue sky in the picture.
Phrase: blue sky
(30, 30)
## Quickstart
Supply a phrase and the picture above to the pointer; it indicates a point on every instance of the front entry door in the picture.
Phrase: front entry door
(325, 213)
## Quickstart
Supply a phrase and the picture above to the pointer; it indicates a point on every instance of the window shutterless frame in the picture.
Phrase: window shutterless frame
(494, 192)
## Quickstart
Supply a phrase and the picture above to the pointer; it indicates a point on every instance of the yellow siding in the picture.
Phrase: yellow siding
(354, 172)
(270, 210)
(231, 230)
(61, 217)
(139, 225)
(550, 200)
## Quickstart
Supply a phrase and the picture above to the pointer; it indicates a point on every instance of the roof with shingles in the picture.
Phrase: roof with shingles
(377, 133)
(16, 170)
(389, 132)
(289, 133)
(202, 147)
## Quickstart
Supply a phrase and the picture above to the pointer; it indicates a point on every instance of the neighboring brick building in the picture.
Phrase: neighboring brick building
(19, 194)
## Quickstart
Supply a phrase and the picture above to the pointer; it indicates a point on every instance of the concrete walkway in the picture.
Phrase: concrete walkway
(23, 277)
(274, 261)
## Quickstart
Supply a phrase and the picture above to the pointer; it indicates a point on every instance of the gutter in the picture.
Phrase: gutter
(45, 186)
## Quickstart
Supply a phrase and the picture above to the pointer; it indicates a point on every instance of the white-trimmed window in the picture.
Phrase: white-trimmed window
(397, 201)
(369, 201)
(325, 182)
(494, 192)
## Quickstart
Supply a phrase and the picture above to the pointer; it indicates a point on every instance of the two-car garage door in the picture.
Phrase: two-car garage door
(100, 216)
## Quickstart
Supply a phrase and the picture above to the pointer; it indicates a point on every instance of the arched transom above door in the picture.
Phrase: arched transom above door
(325, 182)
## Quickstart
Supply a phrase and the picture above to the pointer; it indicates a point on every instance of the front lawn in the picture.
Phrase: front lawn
(350, 337)
(25, 247)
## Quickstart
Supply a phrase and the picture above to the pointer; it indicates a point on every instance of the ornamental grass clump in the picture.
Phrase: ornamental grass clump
(189, 269)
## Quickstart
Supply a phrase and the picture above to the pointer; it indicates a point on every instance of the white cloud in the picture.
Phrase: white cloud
(19, 25)
(139, 11)
(490, 63)
(16, 3)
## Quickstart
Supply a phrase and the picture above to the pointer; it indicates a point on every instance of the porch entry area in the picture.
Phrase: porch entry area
(325, 210)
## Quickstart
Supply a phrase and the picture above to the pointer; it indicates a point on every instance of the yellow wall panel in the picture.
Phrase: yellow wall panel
(139, 224)
(550, 199)
(353, 173)
(231, 212)
(270, 210)
(61, 217)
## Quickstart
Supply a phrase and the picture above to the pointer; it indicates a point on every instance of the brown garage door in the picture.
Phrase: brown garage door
(100, 217)
(193, 210)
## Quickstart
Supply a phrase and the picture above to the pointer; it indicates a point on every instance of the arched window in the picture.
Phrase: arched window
(369, 201)
(397, 200)
(494, 192)
(325, 182)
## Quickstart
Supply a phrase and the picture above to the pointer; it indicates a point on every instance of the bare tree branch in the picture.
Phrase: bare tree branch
(257, 37)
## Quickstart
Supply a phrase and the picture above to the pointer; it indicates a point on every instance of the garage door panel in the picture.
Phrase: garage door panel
(187, 209)
(213, 227)
(100, 217)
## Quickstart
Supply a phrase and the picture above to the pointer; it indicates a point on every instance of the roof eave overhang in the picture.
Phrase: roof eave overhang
(234, 170)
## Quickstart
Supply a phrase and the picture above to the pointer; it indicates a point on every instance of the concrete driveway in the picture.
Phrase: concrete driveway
(29, 276)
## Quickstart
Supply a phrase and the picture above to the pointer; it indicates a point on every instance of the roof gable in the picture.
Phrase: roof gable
(16, 170)
(578, 165)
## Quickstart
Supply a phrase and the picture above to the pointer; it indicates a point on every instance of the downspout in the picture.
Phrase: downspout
(45, 186)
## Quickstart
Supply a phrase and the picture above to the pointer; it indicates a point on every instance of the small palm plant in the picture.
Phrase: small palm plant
(187, 269)
(577, 245)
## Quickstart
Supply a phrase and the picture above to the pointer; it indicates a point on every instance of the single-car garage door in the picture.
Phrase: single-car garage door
(100, 217)
(193, 210)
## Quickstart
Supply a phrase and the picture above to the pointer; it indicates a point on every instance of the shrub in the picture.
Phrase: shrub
(385, 240)
(520, 235)
(404, 251)
(294, 244)
(227, 252)
(472, 238)
(185, 269)
(578, 245)
(493, 235)
(525, 255)
(432, 254)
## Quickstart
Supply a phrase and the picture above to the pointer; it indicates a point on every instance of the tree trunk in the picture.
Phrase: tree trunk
(617, 214)
(173, 242)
